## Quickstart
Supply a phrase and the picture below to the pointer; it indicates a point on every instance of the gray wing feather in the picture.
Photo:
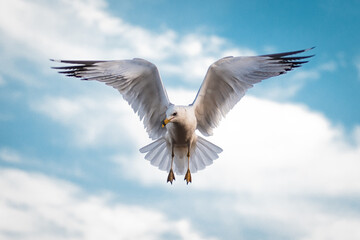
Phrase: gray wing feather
(229, 78)
(137, 80)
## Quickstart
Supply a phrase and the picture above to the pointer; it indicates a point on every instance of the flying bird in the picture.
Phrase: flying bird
(176, 146)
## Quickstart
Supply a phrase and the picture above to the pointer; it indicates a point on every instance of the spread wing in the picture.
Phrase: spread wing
(137, 80)
(228, 79)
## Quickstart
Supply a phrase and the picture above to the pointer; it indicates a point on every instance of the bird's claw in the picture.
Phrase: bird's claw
(171, 176)
(188, 176)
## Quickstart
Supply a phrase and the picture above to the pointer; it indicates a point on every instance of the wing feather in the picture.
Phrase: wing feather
(228, 79)
(137, 80)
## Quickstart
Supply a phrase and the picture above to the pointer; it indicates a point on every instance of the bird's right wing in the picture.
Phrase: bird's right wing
(137, 80)
(228, 79)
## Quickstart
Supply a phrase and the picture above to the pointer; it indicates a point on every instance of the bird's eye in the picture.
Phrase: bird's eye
(174, 114)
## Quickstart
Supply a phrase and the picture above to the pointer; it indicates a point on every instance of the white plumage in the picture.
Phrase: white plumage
(176, 145)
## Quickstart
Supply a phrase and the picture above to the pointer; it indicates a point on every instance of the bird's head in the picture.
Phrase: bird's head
(173, 114)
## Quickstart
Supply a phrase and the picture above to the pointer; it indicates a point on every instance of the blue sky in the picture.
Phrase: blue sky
(69, 160)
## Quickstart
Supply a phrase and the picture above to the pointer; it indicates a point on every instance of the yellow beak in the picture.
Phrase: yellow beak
(166, 121)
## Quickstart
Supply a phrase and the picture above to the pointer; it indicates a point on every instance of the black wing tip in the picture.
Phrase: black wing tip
(74, 67)
(290, 60)
(284, 54)
(83, 62)
(54, 60)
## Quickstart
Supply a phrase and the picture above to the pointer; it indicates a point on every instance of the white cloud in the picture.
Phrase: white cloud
(94, 121)
(39, 30)
(285, 141)
(287, 86)
(40, 207)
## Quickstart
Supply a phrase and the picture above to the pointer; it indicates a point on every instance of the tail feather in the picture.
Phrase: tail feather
(197, 162)
(165, 163)
(152, 145)
(153, 153)
(212, 147)
(157, 153)
(208, 156)
(202, 154)
(161, 153)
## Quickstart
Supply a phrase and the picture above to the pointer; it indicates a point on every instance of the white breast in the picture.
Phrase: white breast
(182, 131)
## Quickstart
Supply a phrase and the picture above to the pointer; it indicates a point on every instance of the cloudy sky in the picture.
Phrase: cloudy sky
(69, 161)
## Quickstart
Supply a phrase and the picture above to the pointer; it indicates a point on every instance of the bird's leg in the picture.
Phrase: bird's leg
(171, 176)
(188, 174)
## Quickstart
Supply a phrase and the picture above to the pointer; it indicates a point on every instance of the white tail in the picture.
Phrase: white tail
(202, 154)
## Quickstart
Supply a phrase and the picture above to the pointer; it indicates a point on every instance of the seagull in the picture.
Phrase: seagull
(176, 147)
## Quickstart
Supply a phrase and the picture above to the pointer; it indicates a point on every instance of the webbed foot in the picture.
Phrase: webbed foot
(188, 176)
(171, 176)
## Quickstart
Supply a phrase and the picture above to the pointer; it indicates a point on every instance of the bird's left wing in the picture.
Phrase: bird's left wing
(137, 80)
(228, 79)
